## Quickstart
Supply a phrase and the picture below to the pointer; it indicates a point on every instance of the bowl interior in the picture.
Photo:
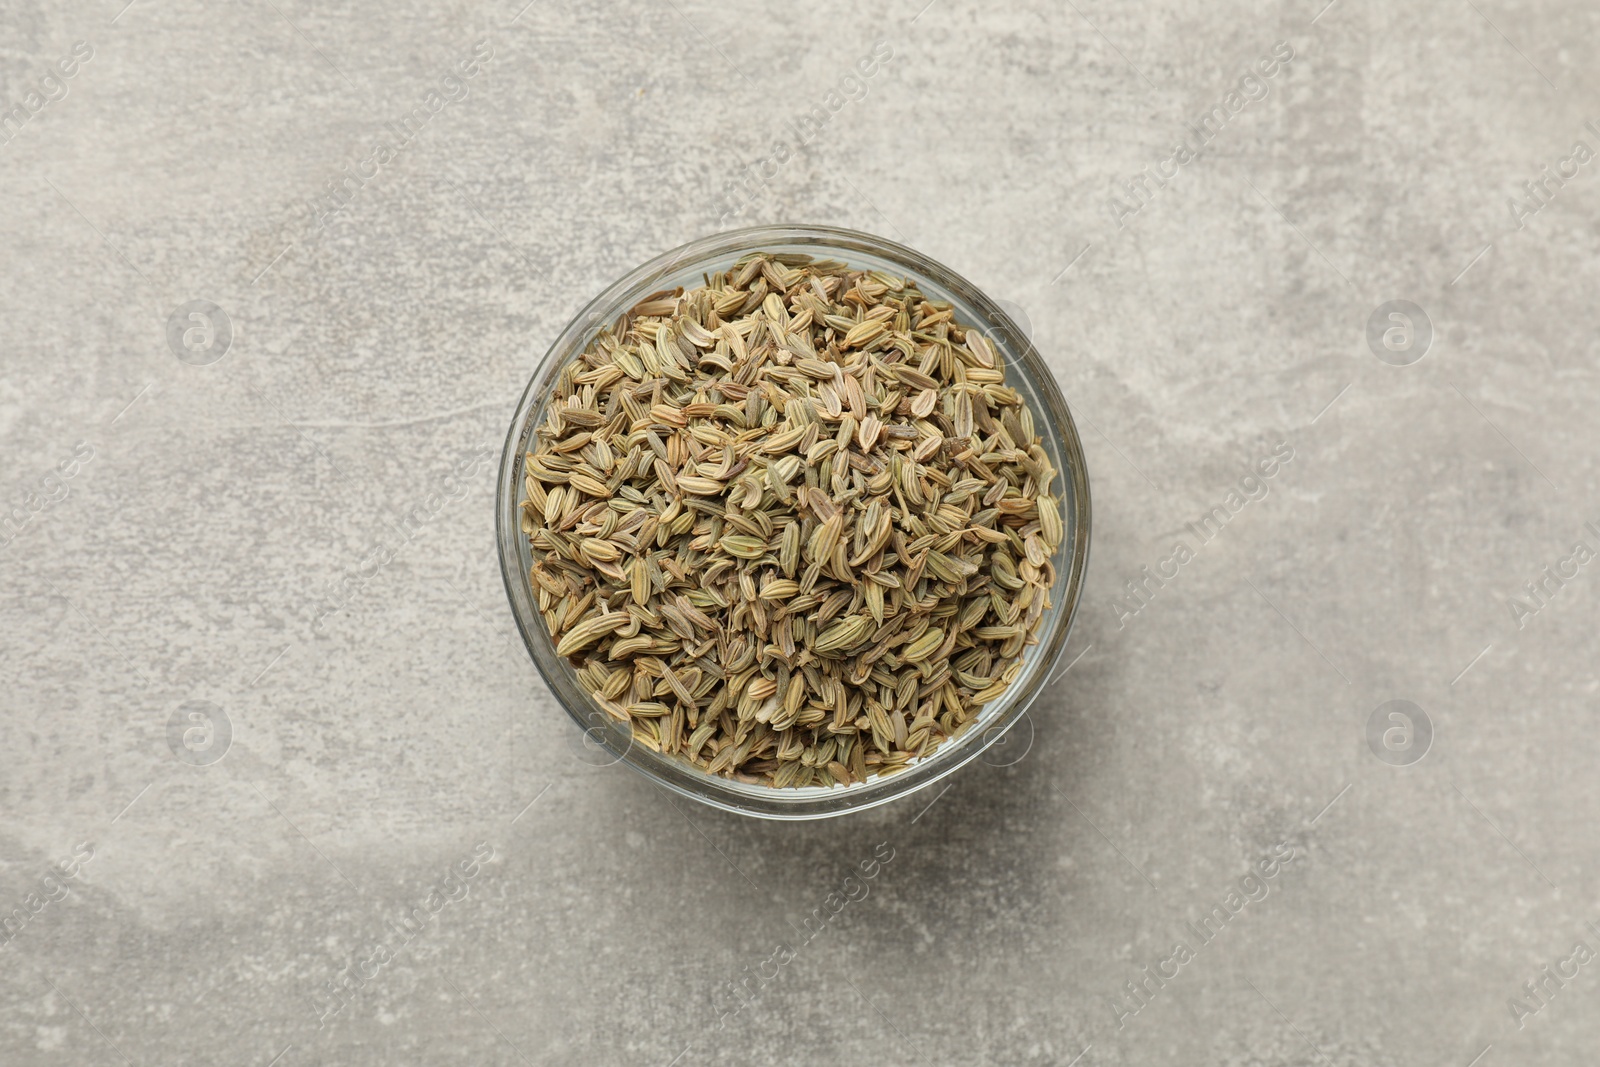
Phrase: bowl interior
(610, 741)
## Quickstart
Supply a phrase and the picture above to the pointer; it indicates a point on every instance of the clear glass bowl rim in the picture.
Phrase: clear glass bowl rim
(716, 252)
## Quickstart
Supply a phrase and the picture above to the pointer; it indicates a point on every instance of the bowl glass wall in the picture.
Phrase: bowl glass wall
(1025, 371)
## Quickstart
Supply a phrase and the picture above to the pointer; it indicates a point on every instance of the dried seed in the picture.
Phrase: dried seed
(781, 589)
(864, 332)
(843, 634)
(793, 526)
(922, 647)
(699, 486)
(588, 632)
(599, 551)
(867, 435)
(743, 546)
(592, 486)
(1050, 527)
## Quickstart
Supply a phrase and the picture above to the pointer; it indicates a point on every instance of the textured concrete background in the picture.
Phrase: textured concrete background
(384, 744)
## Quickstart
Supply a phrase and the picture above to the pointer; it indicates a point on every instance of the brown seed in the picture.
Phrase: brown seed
(588, 632)
(744, 546)
(1050, 526)
(585, 484)
(843, 634)
(864, 332)
(639, 577)
(600, 551)
(699, 486)
(793, 526)
(867, 435)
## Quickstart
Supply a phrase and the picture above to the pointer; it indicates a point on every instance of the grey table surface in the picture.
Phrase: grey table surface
(186, 497)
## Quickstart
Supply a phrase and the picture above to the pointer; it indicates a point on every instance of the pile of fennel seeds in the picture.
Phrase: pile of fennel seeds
(793, 526)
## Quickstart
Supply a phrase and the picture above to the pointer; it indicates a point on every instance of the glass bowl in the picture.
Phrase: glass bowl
(611, 741)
